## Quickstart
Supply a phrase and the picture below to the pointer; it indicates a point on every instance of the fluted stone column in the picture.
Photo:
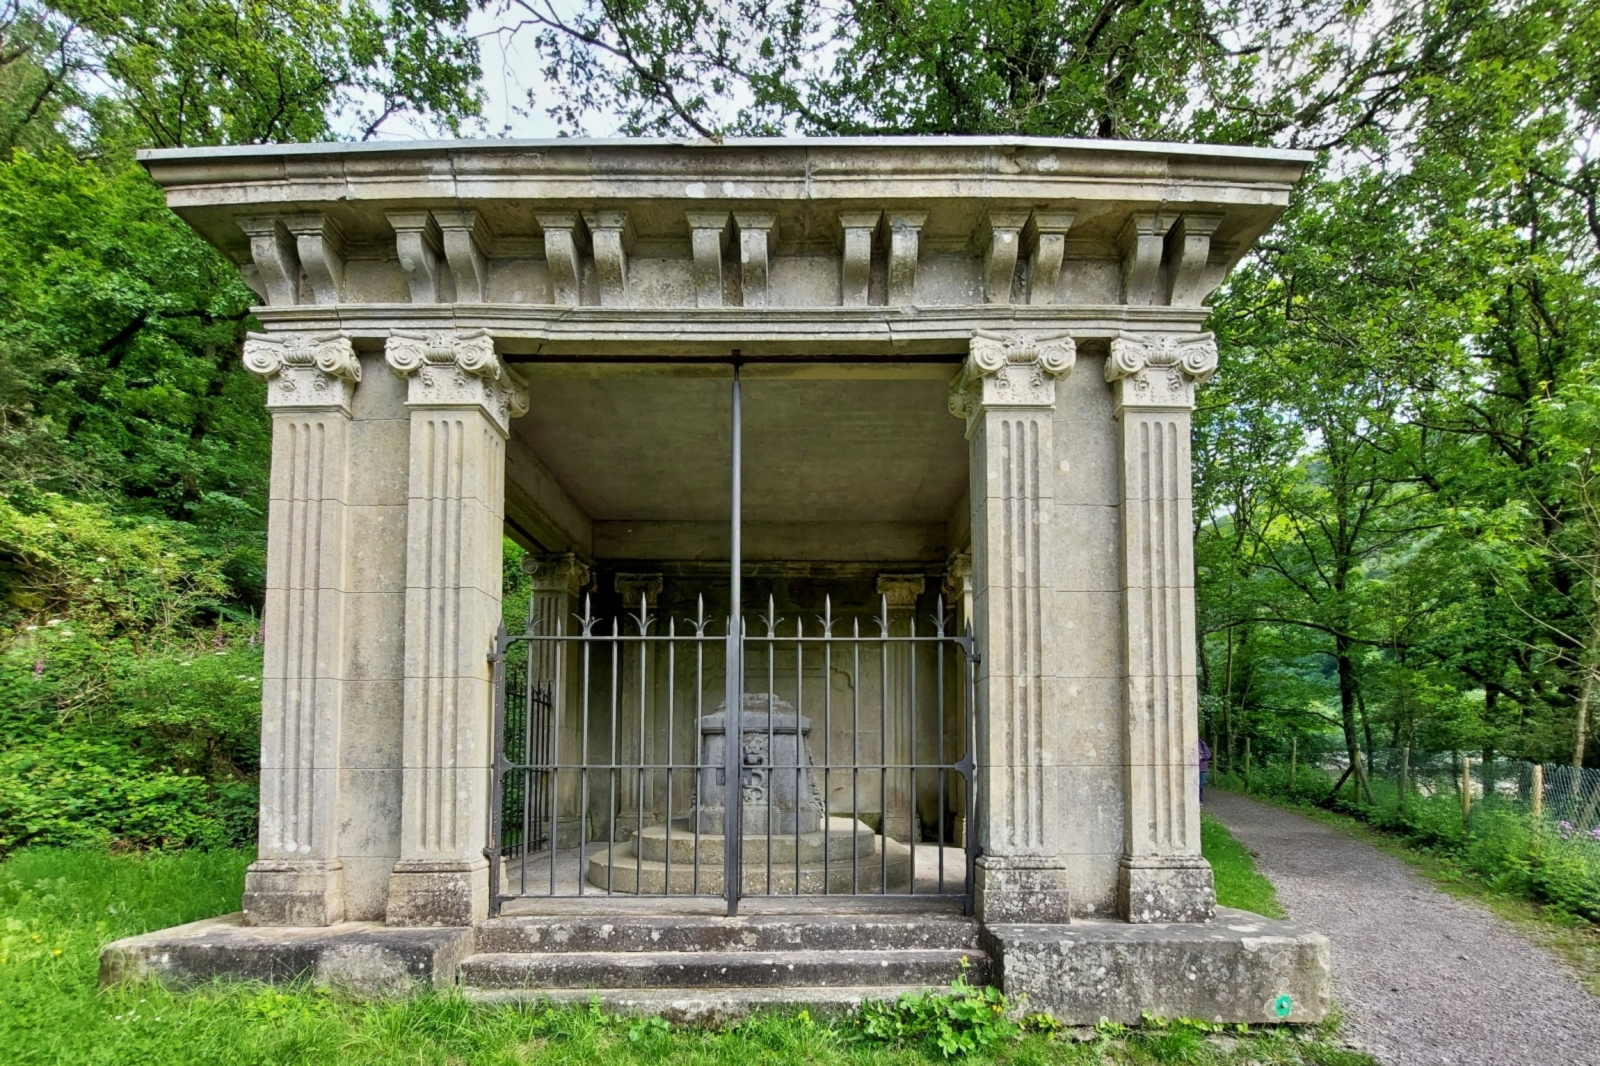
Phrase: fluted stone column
(557, 580)
(898, 594)
(1163, 876)
(298, 878)
(1006, 392)
(461, 398)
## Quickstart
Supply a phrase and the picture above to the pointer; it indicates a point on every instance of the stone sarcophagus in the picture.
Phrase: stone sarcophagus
(967, 370)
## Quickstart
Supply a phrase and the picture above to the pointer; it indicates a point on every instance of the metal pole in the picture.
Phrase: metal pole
(733, 727)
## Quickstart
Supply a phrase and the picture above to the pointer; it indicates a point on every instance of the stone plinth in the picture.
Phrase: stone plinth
(1240, 968)
(777, 788)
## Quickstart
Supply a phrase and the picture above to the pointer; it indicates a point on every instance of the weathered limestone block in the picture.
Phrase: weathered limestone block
(755, 254)
(1142, 243)
(1045, 243)
(297, 879)
(1006, 393)
(858, 229)
(1240, 968)
(360, 958)
(708, 239)
(419, 244)
(1163, 877)
(1000, 242)
(461, 398)
(1189, 277)
(905, 238)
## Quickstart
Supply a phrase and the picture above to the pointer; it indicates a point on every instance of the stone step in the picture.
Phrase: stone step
(706, 1006)
(650, 933)
(843, 837)
(722, 969)
(619, 869)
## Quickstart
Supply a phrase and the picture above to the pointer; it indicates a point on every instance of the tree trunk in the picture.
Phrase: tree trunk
(1347, 710)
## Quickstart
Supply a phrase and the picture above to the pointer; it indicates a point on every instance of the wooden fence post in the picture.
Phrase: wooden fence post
(1536, 788)
(1294, 752)
(1466, 788)
(1247, 764)
(1405, 775)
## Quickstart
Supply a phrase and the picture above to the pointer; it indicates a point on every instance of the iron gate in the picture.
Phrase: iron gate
(615, 773)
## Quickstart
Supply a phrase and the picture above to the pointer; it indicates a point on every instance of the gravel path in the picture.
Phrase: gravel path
(1423, 979)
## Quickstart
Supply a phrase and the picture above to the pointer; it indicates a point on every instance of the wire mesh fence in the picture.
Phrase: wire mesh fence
(1562, 801)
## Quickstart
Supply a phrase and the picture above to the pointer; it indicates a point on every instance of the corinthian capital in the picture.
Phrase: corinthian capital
(314, 371)
(1160, 369)
(1010, 370)
(451, 369)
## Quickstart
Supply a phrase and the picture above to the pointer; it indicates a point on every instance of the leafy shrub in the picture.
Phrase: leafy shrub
(1503, 845)
(130, 689)
(961, 1022)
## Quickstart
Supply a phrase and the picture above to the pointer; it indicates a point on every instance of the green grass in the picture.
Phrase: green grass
(1238, 884)
(57, 907)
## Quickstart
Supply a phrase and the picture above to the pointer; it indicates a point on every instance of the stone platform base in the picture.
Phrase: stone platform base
(366, 958)
(643, 956)
(1239, 968)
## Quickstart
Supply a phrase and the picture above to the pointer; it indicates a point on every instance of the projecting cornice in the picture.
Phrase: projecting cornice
(758, 225)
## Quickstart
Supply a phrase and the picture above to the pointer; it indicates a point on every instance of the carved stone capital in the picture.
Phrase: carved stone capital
(450, 369)
(958, 573)
(1011, 370)
(900, 591)
(1160, 370)
(316, 371)
(633, 587)
(558, 572)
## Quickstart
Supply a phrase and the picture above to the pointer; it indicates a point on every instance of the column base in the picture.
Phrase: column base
(294, 892)
(1167, 888)
(427, 892)
(1022, 889)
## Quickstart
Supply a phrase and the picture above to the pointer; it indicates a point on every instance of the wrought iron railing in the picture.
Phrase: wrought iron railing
(854, 755)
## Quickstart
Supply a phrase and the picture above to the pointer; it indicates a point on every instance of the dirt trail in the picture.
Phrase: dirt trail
(1423, 978)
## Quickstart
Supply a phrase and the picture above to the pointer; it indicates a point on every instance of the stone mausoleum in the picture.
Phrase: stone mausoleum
(852, 483)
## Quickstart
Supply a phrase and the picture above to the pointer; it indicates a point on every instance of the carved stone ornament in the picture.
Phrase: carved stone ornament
(1160, 369)
(450, 369)
(1011, 370)
(314, 370)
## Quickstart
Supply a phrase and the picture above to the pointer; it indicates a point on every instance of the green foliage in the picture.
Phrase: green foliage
(962, 1022)
(1233, 866)
(59, 906)
(1506, 848)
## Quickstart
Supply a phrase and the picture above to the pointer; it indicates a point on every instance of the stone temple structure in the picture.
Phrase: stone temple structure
(949, 382)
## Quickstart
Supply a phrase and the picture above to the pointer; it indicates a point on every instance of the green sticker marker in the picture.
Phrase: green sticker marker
(1282, 1006)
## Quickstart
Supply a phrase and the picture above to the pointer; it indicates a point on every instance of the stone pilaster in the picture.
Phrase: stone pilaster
(1163, 877)
(297, 880)
(461, 398)
(898, 596)
(1006, 393)
(557, 581)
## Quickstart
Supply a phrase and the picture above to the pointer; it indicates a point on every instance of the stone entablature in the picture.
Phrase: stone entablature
(508, 235)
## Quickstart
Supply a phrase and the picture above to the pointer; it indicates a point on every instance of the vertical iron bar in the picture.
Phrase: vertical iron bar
(583, 770)
(611, 771)
(911, 770)
(642, 778)
(672, 678)
(557, 705)
(772, 763)
(971, 762)
(855, 753)
(799, 737)
(944, 755)
(827, 744)
(497, 660)
(732, 725)
(883, 745)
